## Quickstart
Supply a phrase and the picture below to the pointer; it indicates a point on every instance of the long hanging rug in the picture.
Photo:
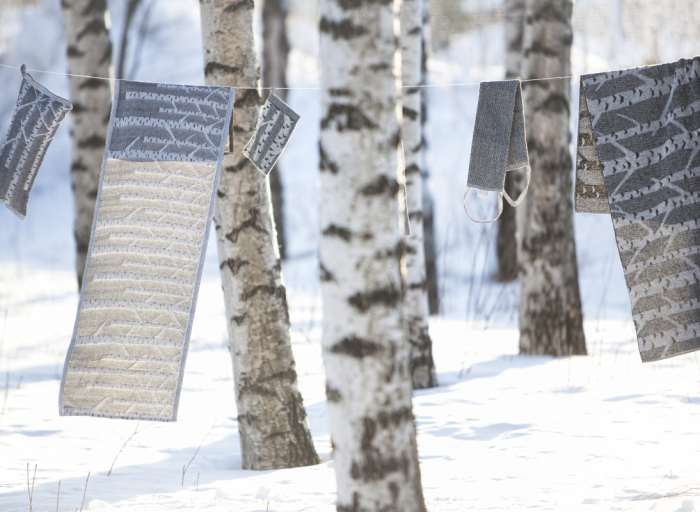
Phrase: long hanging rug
(155, 205)
(639, 160)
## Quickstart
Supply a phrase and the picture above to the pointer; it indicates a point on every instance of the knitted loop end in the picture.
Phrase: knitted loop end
(522, 195)
(466, 210)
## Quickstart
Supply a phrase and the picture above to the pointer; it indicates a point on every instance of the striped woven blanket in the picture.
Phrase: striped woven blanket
(154, 209)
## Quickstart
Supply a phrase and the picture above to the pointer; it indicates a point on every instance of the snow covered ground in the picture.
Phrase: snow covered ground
(502, 432)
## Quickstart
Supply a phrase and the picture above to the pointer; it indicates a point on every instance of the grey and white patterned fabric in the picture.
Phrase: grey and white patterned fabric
(590, 196)
(498, 143)
(645, 141)
(36, 118)
(154, 209)
(275, 126)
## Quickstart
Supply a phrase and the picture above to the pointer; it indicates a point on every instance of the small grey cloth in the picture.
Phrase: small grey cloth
(37, 114)
(498, 144)
(642, 156)
(154, 209)
(275, 126)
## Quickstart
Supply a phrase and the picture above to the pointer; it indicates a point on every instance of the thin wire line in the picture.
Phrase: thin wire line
(420, 86)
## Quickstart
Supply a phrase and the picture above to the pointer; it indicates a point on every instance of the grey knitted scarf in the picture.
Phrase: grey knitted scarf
(639, 160)
(154, 208)
(498, 144)
(275, 126)
(36, 117)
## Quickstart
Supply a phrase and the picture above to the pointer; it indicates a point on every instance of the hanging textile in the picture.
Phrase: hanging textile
(154, 208)
(276, 123)
(498, 143)
(38, 112)
(640, 132)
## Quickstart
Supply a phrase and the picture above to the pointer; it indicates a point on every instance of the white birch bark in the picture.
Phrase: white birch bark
(365, 348)
(506, 245)
(416, 295)
(89, 53)
(271, 416)
(551, 321)
(274, 74)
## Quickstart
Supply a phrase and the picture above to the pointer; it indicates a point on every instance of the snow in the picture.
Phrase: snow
(502, 432)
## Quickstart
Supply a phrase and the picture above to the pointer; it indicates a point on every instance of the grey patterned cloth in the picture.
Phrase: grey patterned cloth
(154, 208)
(275, 126)
(36, 118)
(498, 143)
(639, 150)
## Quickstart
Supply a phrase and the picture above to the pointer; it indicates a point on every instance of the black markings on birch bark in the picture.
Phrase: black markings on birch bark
(326, 165)
(551, 321)
(217, 67)
(324, 274)
(347, 117)
(355, 346)
(382, 185)
(333, 395)
(342, 29)
(240, 4)
(89, 53)
(416, 304)
(363, 302)
(272, 421)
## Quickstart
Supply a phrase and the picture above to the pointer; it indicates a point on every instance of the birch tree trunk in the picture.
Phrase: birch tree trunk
(89, 53)
(551, 321)
(365, 348)
(416, 295)
(429, 239)
(131, 8)
(274, 74)
(271, 416)
(506, 245)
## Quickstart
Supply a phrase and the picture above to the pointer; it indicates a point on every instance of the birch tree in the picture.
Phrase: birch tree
(274, 74)
(271, 417)
(551, 321)
(365, 348)
(506, 245)
(429, 239)
(89, 52)
(416, 302)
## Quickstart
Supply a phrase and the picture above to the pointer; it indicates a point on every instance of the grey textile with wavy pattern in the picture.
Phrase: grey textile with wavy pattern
(38, 113)
(640, 134)
(154, 210)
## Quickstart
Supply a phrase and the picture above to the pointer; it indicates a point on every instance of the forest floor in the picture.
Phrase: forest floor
(501, 432)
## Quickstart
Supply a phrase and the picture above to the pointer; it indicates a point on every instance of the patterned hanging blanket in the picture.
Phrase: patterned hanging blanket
(154, 208)
(36, 118)
(639, 160)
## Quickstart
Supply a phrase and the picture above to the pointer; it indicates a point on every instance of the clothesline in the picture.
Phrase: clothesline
(288, 88)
